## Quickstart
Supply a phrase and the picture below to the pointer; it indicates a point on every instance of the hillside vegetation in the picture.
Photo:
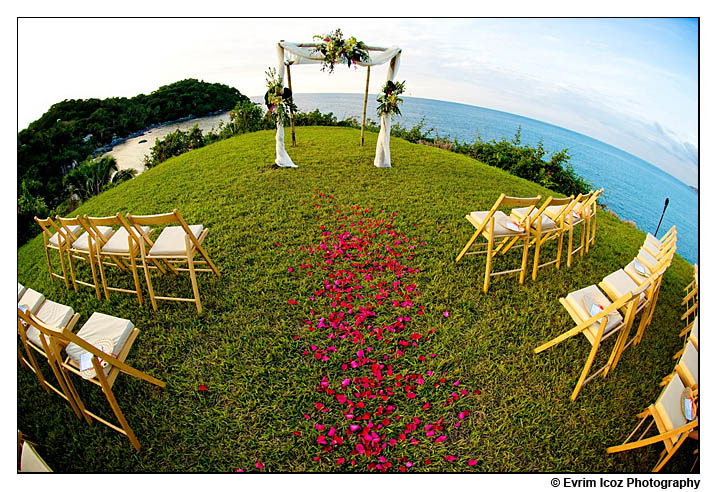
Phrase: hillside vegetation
(71, 130)
(262, 345)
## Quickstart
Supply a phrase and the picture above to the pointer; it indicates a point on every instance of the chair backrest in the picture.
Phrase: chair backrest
(50, 227)
(94, 224)
(565, 204)
(59, 338)
(137, 221)
(67, 222)
(507, 202)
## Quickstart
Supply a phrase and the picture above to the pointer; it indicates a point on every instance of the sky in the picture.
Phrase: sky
(632, 83)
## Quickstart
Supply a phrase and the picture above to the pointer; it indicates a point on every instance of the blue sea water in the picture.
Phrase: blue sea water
(634, 189)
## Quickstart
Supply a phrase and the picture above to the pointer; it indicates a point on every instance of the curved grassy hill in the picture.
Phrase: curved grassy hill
(253, 349)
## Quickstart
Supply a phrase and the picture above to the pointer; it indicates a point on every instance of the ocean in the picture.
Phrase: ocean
(634, 189)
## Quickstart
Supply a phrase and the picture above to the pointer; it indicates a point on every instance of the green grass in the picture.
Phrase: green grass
(247, 345)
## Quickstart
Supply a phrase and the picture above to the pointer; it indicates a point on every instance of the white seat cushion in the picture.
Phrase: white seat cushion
(31, 462)
(119, 243)
(53, 314)
(81, 243)
(74, 229)
(500, 218)
(576, 301)
(32, 299)
(669, 405)
(650, 238)
(647, 259)
(171, 241)
(694, 331)
(689, 363)
(651, 248)
(546, 223)
(20, 290)
(101, 327)
(554, 210)
(619, 283)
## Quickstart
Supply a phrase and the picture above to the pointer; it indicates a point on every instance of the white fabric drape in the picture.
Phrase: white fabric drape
(382, 158)
(282, 159)
(303, 53)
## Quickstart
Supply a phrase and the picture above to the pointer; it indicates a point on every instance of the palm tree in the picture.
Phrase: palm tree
(91, 177)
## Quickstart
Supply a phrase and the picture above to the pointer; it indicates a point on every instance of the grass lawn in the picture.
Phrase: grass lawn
(279, 363)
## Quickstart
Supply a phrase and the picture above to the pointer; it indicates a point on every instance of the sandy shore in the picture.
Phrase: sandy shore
(131, 153)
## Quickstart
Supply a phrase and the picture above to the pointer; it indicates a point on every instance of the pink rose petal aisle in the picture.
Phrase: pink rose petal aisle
(381, 404)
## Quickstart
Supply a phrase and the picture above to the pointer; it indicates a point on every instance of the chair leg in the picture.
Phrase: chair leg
(113, 403)
(102, 276)
(524, 261)
(192, 274)
(662, 462)
(91, 260)
(34, 367)
(536, 257)
(570, 246)
(489, 256)
(147, 277)
(135, 277)
(560, 250)
(468, 245)
(72, 270)
(589, 361)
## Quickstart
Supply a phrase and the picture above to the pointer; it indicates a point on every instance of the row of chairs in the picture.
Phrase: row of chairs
(96, 353)
(675, 412)
(117, 241)
(600, 313)
(532, 225)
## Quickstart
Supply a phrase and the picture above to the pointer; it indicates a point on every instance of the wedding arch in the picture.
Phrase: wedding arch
(289, 54)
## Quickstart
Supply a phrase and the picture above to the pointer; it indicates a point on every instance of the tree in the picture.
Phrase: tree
(91, 177)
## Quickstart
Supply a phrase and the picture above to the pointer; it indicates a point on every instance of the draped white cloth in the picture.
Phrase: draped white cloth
(303, 53)
(282, 159)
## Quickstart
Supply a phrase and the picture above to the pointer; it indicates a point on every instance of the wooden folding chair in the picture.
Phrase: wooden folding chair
(544, 228)
(687, 366)
(55, 238)
(690, 301)
(496, 226)
(176, 245)
(598, 327)
(620, 282)
(691, 332)
(592, 220)
(28, 459)
(32, 340)
(671, 423)
(98, 366)
(121, 250)
(657, 243)
(581, 214)
(82, 247)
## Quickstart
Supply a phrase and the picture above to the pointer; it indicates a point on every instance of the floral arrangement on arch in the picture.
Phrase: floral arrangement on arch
(389, 98)
(334, 48)
(278, 98)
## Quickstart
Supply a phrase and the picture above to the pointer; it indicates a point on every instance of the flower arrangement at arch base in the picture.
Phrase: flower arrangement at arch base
(389, 99)
(278, 98)
(334, 48)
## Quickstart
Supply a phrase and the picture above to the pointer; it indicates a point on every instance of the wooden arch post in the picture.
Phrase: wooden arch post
(366, 95)
(291, 113)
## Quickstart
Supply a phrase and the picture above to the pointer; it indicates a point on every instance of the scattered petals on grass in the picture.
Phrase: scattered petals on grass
(260, 465)
(202, 387)
(359, 311)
